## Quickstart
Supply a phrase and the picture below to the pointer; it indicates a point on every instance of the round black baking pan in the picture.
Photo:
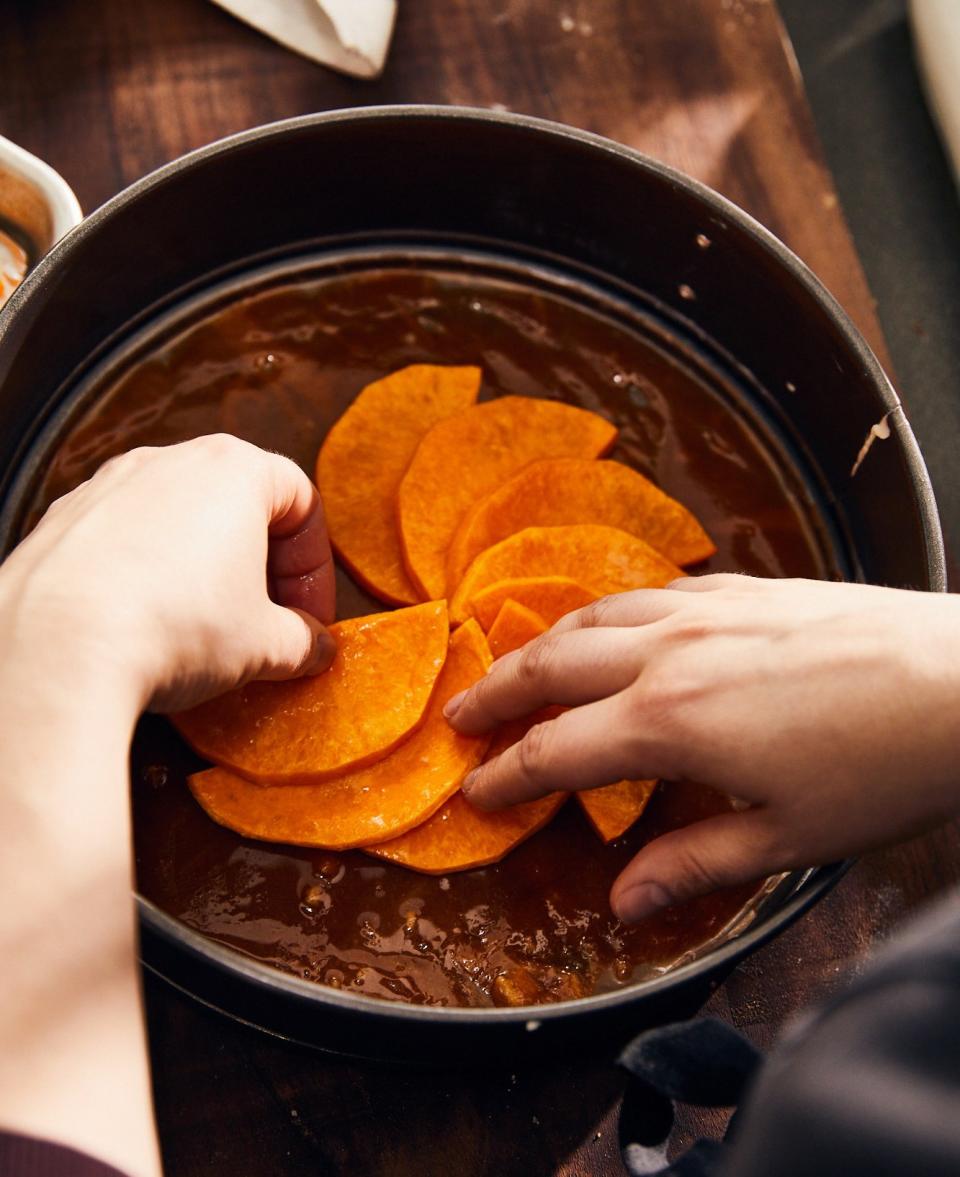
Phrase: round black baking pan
(478, 183)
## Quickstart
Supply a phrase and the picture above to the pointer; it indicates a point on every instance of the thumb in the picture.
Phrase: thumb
(718, 852)
(296, 644)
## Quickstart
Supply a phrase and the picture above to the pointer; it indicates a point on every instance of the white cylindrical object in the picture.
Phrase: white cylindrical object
(936, 35)
(34, 198)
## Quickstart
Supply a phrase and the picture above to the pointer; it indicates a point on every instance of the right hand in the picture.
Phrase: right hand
(832, 710)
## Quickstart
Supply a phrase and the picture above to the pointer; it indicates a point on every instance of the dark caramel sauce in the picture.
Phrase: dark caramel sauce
(277, 368)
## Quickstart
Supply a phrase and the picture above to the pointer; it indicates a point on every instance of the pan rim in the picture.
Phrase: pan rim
(46, 269)
(820, 881)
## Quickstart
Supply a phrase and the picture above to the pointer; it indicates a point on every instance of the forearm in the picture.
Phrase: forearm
(93, 628)
(73, 1062)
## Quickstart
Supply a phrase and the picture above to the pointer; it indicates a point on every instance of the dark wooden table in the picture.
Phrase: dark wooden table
(107, 90)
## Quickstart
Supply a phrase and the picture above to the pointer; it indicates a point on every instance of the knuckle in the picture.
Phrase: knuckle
(221, 445)
(710, 582)
(480, 700)
(276, 459)
(531, 753)
(129, 460)
(59, 505)
(276, 467)
(698, 874)
(775, 845)
(535, 662)
(285, 460)
(741, 584)
(724, 579)
(475, 701)
(112, 465)
(596, 612)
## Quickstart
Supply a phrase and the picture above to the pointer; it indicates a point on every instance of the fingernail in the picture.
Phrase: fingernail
(452, 706)
(323, 654)
(640, 901)
(470, 783)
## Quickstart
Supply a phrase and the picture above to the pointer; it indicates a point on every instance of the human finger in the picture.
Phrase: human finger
(719, 852)
(580, 749)
(280, 644)
(715, 581)
(566, 669)
(301, 568)
(300, 561)
(637, 607)
(294, 643)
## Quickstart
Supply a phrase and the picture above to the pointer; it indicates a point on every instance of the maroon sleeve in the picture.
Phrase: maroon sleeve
(22, 1156)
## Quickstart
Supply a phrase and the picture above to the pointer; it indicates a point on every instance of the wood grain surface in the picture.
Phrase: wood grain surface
(107, 90)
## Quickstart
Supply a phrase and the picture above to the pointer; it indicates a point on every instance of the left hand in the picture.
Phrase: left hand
(187, 570)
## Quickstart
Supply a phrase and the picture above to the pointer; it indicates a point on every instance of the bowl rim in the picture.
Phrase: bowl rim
(62, 204)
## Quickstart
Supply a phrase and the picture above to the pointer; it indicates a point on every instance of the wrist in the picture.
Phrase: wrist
(67, 724)
(67, 654)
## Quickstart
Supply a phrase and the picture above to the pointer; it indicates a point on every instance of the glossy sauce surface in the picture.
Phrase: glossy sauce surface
(278, 367)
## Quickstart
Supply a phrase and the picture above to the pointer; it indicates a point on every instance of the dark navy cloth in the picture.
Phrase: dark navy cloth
(868, 1085)
(703, 1062)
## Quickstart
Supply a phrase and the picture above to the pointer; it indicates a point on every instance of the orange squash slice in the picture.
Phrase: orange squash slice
(514, 626)
(364, 457)
(612, 809)
(603, 559)
(559, 491)
(550, 597)
(307, 730)
(459, 837)
(464, 458)
(381, 801)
